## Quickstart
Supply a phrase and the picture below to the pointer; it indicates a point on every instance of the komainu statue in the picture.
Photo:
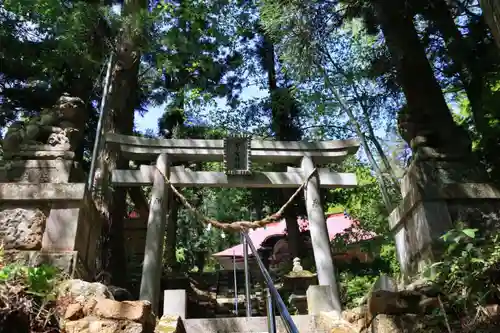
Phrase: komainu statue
(60, 126)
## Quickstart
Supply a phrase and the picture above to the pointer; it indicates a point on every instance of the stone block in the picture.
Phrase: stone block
(61, 229)
(333, 322)
(71, 223)
(88, 306)
(16, 193)
(478, 213)
(137, 311)
(319, 299)
(74, 312)
(36, 171)
(88, 233)
(43, 147)
(96, 325)
(22, 229)
(65, 261)
(39, 155)
(354, 315)
(385, 323)
(402, 248)
(385, 282)
(175, 303)
(80, 290)
(170, 324)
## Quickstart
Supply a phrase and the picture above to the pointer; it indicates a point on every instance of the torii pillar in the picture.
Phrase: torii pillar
(157, 219)
(319, 234)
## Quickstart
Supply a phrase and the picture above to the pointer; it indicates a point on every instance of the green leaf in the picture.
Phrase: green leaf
(4, 276)
(469, 247)
(477, 261)
(470, 232)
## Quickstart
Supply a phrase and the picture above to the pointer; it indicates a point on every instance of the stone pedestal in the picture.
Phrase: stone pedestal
(43, 217)
(54, 223)
(436, 195)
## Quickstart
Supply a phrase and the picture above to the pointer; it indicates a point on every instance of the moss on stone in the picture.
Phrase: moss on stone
(300, 274)
(167, 324)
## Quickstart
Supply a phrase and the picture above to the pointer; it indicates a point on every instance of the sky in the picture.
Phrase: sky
(150, 119)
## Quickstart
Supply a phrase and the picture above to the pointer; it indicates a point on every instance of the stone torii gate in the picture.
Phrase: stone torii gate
(237, 154)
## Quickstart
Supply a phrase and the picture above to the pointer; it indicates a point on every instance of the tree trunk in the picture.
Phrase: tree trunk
(83, 86)
(171, 238)
(362, 138)
(361, 134)
(292, 227)
(428, 126)
(460, 52)
(379, 149)
(281, 120)
(491, 12)
(122, 101)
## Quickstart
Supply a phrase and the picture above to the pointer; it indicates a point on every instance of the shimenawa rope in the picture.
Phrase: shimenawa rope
(238, 226)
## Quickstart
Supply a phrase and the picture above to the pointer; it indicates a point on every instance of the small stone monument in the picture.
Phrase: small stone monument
(296, 265)
(297, 281)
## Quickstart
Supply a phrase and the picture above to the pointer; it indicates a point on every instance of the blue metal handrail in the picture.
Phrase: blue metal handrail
(275, 296)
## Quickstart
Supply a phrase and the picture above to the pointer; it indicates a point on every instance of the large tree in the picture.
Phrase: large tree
(285, 126)
(426, 122)
(491, 9)
(461, 53)
(122, 102)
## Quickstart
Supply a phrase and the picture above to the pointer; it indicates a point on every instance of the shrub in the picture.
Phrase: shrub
(27, 296)
(469, 271)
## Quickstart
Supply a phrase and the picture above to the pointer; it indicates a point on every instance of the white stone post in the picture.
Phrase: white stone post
(319, 234)
(157, 219)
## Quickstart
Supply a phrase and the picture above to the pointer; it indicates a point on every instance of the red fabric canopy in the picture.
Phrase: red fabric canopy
(336, 224)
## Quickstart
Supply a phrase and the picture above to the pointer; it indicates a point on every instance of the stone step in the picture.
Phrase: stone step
(241, 305)
(304, 323)
(228, 309)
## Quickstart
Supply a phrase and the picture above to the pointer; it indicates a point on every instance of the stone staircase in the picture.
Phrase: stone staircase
(305, 323)
(320, 320)
(211, 295)
(322, 323)
(228, 305)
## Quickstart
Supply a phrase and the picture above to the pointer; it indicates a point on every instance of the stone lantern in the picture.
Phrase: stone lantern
(297, 281)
